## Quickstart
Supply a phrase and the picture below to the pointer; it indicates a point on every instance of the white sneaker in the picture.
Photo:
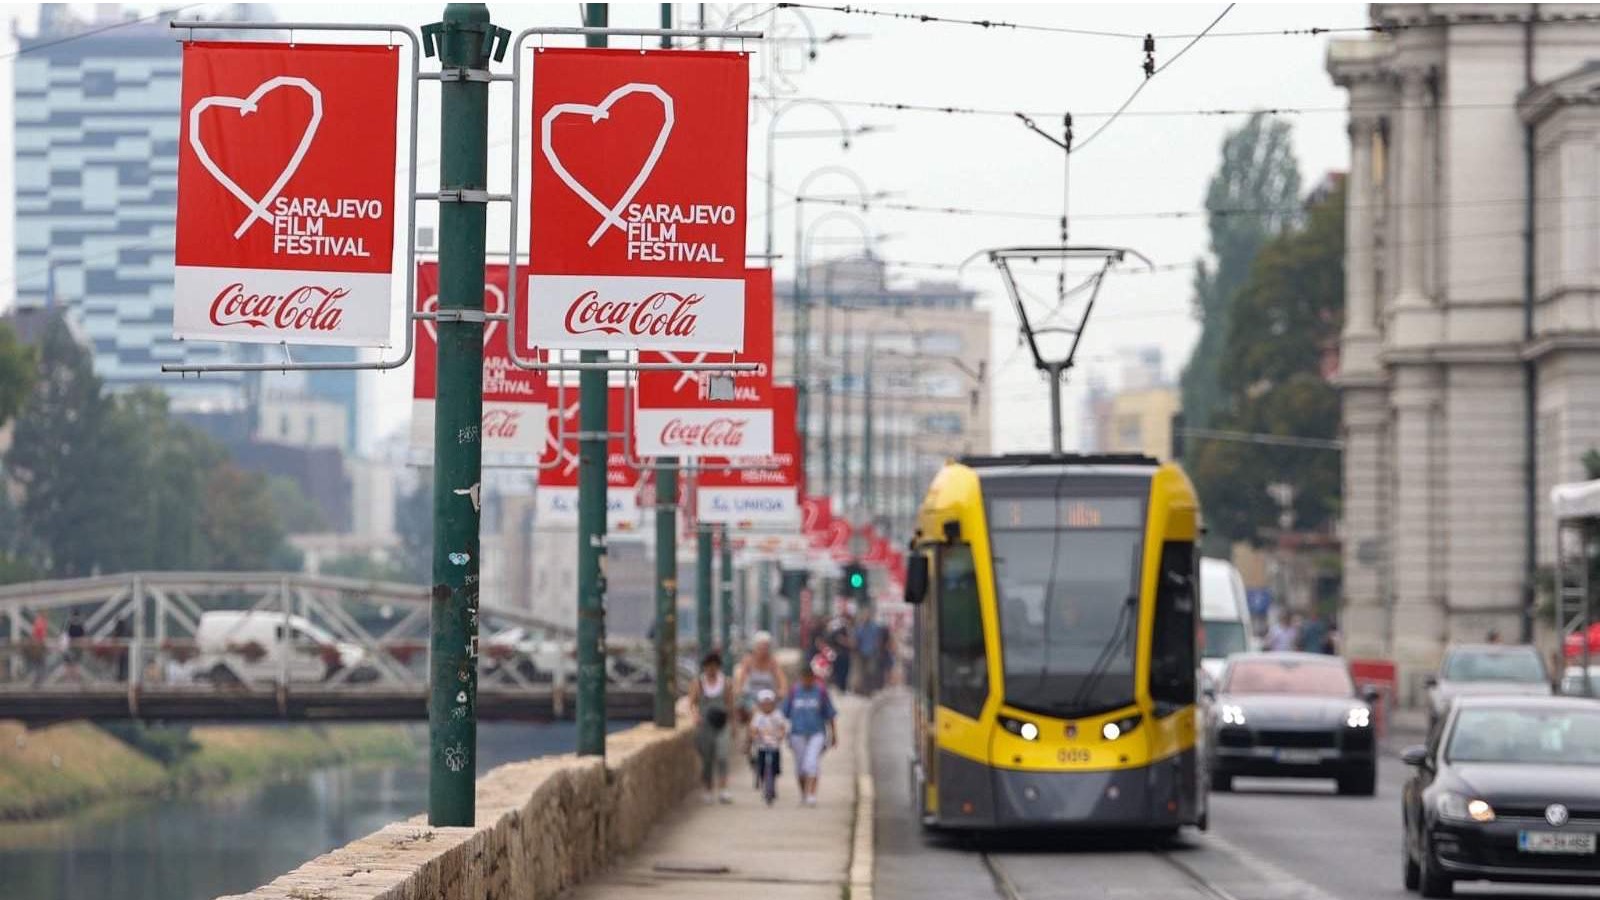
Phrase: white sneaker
(707, 798)
(724, 797)
(811, 800)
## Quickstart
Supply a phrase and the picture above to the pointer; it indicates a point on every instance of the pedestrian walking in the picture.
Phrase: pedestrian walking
(708, 700)
(768, 730)
(39, 651)
(841, 640)
(72, 646)
(869, 654)
(811, 716)
(1312, 636)
(1285, 635)
(758, 671)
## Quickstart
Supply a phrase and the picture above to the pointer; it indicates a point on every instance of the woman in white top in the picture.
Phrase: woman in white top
(708, 699)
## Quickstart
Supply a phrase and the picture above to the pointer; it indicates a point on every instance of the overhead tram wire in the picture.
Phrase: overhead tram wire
(1149, 78)
(999, 113)
(1300, 31)
(91, 32)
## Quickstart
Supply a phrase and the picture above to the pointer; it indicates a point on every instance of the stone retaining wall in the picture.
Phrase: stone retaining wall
(542, 826)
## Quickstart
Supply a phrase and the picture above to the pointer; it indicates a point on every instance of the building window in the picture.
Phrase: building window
(947, 343)
(942, 384)
(99, 83)
(1129, 436)
(943, 423)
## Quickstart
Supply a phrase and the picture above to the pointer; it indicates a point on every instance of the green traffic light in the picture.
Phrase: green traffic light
(857, 580)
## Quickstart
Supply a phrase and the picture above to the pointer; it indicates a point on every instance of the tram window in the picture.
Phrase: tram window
(1172, 656)
(963, 666)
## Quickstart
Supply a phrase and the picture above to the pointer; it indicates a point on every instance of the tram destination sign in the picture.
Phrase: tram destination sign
(1066, 512)
(286, 193)
(638, 200)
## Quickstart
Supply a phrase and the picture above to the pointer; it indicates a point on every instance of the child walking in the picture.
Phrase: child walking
(768, 728)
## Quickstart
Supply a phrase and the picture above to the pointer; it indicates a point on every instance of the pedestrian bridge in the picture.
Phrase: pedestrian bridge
(273, 646)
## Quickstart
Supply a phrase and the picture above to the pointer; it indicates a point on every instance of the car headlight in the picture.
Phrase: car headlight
(1464, 809)
(1232, 714)
(1028, 731)
(1113, 730)
(1358, 717)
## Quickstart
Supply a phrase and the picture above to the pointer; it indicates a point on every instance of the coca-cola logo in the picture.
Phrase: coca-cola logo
(501, 423)
(308, 307)
(720, 432)
(662, 314)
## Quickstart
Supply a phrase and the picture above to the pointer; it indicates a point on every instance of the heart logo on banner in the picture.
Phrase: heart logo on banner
(494, 301)
(246, 106)
(610, 216)
(566, 459)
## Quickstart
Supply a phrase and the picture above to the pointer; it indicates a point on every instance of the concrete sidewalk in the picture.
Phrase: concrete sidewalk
(782, 852)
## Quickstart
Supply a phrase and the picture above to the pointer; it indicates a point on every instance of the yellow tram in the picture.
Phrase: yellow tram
(1056, 614)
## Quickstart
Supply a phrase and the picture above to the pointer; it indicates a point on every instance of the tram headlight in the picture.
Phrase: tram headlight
(1358, 717)
(1116, 729)
(1028, 731)
(1232, 714)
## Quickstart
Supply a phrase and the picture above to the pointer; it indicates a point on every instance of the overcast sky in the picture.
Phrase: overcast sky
(1155, 158)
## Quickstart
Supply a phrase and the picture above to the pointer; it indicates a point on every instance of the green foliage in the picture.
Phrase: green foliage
(114, 483)
(1591, 463)
(1287, 313)
(1254, 196)
(19, 365)
(298, 513)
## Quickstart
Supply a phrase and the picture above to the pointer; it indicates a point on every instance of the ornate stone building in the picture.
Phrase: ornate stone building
(1458, 320)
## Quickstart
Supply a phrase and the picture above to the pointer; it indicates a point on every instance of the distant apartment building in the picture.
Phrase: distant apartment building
(925, 389)
(96, 159)
(1136, 416)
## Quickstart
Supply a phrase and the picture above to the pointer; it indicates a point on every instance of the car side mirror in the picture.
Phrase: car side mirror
(1430, 681)
(1371, 695)
(1415, 756)
(916, 578)
(1209, 692)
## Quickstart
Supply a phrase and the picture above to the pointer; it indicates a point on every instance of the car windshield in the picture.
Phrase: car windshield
(1494, 665)
(1222, 638)
(1289, 676)
(1068, 599)
(1541, 736)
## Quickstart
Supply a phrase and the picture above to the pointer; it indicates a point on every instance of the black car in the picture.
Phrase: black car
(1506, 789)
(1291, 715)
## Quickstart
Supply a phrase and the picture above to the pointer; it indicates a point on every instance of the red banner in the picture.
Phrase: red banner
(638, 223)
(765, 490)
(677, 417)
(816, 518)
(286, 193)
(558, 473)
(515, 400)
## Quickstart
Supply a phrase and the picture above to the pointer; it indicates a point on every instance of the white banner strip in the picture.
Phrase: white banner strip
(273, 306)
(763, 507)
(694, 433)
(625, 312)
(507, 427)
(559, 506)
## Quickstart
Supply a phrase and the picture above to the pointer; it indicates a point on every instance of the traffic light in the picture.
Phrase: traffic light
(855, 582)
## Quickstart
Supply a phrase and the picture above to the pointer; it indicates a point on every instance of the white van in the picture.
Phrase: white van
(253, 646)
(1224, 616)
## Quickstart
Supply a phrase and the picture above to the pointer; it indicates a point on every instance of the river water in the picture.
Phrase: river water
(228, 840)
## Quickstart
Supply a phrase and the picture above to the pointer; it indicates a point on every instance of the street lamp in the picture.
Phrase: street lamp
(844, 133)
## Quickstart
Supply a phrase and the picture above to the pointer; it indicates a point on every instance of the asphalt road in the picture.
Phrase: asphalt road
(1271, 839)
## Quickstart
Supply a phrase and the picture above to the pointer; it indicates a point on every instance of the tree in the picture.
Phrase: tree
(1287, 314)
(19, 366)
(241, 523)
(73, 463)
(1254, 196)
(298, 513)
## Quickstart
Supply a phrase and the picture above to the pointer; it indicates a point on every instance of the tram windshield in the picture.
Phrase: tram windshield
(1067, 592)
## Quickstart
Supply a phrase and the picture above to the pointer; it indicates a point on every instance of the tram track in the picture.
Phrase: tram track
(1005, 887)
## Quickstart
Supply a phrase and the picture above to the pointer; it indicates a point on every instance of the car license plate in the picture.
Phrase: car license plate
(1555, 842)
(1299, 757)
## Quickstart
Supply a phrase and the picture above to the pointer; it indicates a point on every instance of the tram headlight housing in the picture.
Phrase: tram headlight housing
(1232, 714)
(1028, 731)
(1358, 717)
(1116, 729)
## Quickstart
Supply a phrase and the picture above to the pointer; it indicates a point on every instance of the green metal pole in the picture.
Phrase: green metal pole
(725, 581)
(464, 40)
(592, 424)
(666, 592)
(764, 611)
(702, 589)
(666, 556)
